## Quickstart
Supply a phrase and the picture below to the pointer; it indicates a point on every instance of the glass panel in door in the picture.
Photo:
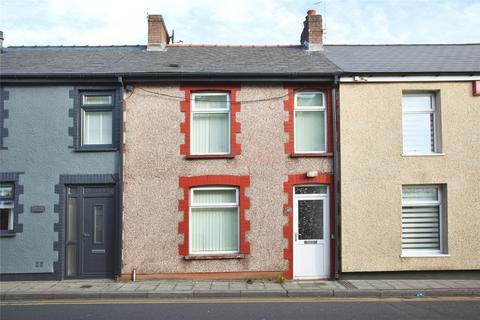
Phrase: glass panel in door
(310, 219)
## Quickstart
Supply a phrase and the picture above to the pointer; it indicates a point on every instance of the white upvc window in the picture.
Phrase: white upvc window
(420, 123)
(6, 206)
(97, 118)
(210, 119)
(214, 220)
(422, 220)
(310, 123)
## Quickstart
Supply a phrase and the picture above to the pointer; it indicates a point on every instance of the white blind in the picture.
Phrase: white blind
(421, 218)
(215, 196)
(210, 124)
(214, 229)
(421, 228)
(214, 221)
(210, 133)
(309, 131)
(97, 127)
(418, 124)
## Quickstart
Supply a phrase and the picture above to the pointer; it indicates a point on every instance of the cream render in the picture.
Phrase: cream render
(153, 165)
(373, 171)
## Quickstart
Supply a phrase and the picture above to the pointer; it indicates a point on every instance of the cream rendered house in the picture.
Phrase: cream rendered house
(409, 142)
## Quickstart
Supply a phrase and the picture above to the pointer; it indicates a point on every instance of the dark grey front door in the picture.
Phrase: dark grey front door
(90, 231)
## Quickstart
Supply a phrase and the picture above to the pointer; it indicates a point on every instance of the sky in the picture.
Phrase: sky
(258, 22)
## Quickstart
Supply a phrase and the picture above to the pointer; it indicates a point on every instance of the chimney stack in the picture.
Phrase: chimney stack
(1, 41)
(158, 36)
(312, 34)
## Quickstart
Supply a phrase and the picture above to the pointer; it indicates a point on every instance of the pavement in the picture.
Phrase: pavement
(106, 288)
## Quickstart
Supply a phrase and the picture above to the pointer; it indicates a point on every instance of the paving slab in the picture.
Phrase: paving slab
(106, 288)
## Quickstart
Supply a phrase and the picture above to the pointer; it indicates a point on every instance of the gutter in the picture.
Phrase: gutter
(143, 77)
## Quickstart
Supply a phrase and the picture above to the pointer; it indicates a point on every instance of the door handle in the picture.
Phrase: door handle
(85, 235)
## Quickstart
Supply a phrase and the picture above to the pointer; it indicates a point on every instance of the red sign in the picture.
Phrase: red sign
(476, 87)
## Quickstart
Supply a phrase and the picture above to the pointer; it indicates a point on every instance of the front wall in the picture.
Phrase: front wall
(373, 171)
(38, 145)
(153, 165)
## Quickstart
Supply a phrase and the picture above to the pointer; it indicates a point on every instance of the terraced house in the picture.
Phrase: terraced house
(196, 161)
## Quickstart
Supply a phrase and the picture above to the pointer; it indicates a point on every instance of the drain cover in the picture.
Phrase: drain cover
(86, 286)
(347, 284)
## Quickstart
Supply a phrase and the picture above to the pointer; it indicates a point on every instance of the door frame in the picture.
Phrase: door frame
(80, 221)
(327, 225)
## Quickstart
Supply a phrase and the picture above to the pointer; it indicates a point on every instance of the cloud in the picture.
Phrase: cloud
(106, 22)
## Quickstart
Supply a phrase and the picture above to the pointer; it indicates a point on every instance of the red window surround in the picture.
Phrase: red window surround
(289, 105)
(297, 179)
(242, 182)
(185, 107)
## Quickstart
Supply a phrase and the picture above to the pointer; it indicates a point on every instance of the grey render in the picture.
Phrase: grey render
(38, 145)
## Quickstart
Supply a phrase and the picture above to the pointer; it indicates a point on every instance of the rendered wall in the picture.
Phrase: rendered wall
(373, 171)
(38, 144)
(153, 165)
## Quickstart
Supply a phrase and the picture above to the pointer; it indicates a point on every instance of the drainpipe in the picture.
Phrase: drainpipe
(336, 177)
(118, 262)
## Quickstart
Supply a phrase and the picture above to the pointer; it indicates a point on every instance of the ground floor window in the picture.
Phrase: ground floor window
(214, 220)
(423, 219)
(6, 207)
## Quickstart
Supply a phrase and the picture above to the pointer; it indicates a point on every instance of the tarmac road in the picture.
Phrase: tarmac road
(244, 308)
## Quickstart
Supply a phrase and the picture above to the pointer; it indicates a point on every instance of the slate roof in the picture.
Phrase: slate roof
(239, 60)
(451, 58)
(184, 59)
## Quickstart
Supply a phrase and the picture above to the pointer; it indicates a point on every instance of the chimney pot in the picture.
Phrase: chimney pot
(312, 34)
(158, 36)
(1, 41)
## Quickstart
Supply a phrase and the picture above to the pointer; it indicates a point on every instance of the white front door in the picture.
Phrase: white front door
(311, 232)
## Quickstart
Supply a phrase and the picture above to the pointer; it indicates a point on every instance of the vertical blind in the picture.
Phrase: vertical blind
(210, 124)
(214, 221)
(310, 122)
(418, 123)
(97, 127)
(421, 218)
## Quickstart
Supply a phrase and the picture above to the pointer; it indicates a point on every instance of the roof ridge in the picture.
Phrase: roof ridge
(403, 44)
(234, 45)
(81, 47)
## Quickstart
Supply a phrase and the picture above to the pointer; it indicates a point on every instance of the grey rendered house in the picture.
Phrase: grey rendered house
(59, 167)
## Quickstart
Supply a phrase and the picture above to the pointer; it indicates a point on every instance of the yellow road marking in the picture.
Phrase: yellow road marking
(228, 300)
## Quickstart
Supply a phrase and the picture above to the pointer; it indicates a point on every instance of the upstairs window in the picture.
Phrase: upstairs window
(7, 198)
(210, 132)
(310, 123)
(97, 119)
(420, 124)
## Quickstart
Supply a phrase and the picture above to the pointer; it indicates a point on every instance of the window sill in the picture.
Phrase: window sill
(424, 255)
(7, 233)
(423, 154)
(312, 155)
(214, 256)
(96, 149)
(209, 156)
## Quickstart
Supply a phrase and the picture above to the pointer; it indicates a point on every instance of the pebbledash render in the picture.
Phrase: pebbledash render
(158, 181)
